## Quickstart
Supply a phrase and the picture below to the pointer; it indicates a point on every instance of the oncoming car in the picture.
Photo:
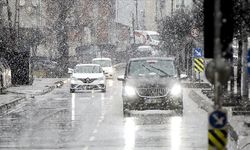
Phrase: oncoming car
(87, 77)
(151, 83)
(106, 65)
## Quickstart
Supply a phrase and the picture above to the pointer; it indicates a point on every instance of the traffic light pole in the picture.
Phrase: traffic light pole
(217, 52)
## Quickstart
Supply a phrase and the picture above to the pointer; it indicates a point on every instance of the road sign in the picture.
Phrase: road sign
(218, 119)
(199, 65)
(198, 52)
(217, 133)
(195, 32)
(217, 139)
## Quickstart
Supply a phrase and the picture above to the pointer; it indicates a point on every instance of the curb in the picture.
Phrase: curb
(208, 107)
(5, 107)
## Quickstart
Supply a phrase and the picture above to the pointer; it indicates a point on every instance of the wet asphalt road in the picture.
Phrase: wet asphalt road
(94, 121)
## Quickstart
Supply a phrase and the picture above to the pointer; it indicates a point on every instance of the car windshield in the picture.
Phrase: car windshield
(147, 67)
(87, 69)
(103, 63)
(155, 37)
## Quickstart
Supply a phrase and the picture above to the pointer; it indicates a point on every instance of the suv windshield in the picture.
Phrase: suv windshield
(103, 63)
(87, 69)
(147, 67)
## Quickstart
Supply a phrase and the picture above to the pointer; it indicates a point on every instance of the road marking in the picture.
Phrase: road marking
(86, 148)
(92, 138)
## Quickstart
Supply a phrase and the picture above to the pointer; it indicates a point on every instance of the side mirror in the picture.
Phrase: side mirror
(183, 76)
(70, 71)
(121, 78)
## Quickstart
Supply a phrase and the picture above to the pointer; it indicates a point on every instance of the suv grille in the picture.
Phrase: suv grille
(152, 92)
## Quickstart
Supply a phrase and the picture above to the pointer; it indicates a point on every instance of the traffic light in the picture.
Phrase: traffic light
(226, 35)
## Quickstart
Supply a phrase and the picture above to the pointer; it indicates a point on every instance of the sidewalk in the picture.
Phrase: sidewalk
(40, 86)
(238, 125)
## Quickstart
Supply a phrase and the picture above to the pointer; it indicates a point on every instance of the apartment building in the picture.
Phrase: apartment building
(155, 10)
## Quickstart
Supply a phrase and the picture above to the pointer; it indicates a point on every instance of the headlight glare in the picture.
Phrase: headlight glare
(130, 91)
(176, 90)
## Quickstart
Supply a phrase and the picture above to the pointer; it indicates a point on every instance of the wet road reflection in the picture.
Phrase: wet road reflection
(175, 132)
(94, 120)
(129, 133)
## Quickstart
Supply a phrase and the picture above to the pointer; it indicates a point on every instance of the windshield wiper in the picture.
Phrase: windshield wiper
(150, 69)
(165, 73)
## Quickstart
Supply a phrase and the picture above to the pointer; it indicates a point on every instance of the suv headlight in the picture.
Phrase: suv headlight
(129, 91)
(176, 90)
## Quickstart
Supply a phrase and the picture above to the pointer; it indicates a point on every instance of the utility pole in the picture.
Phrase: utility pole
(172, 7)
(244, 58)
(136, 13)
(219, 35)
(244, 66)
(133, 27)
(239, 65)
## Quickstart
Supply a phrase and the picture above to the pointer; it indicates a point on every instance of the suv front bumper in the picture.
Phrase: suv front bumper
(142, 103)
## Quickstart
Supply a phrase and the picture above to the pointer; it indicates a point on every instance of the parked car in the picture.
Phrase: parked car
(5, 74)
(87, 77)
(43, 63)
(152, 83)
(106, 65)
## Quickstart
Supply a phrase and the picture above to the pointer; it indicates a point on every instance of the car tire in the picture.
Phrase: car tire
(126, 110)
(72, 91)
(104, 90)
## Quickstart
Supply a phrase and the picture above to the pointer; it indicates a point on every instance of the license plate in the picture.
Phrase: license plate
(152, 100)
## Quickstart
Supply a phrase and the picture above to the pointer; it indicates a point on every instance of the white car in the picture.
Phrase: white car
(87, 77)
(106, 66)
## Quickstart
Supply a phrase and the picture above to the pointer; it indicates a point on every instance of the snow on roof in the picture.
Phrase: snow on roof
(87, 65)
(102, 59)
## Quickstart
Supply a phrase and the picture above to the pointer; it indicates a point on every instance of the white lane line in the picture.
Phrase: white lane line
(92, 138)
(86, 148)
(95, 131)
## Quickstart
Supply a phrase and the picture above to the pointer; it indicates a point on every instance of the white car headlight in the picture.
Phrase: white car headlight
(73, 79)
(129, 91)
(176, 90)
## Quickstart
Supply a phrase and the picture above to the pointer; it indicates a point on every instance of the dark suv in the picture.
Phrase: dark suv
(151, 83)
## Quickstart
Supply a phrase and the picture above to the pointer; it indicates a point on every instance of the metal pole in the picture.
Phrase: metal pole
(136, 13)
(133, 26)
(244, 66)
(172, 7)
(244, 58)
(217, 51)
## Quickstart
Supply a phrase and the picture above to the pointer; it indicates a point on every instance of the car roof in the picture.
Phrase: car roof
(101, 59)
(88, 65)
(152, 58)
